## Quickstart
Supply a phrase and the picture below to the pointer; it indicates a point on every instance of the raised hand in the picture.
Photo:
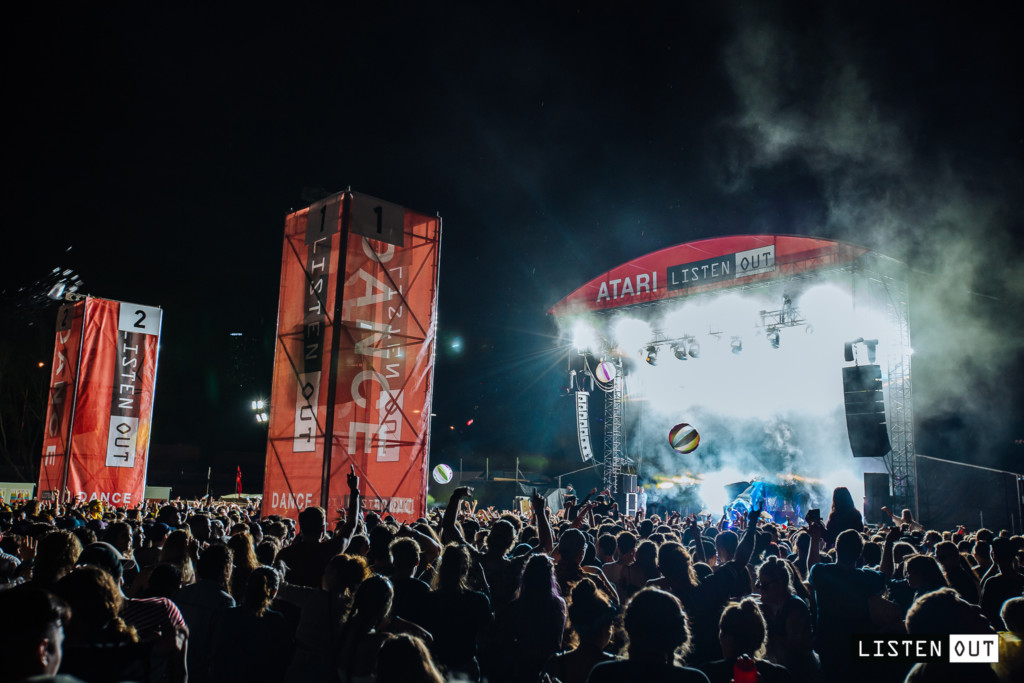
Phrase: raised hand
(755, 515)
(353, 479)
(27, 548)
(691, 523)
(193, 548)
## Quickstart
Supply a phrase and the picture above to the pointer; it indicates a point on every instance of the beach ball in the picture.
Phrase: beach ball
(442, 474)
(684, 438)
(605, 372)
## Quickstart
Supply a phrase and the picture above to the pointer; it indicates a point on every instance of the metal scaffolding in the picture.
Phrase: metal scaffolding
(614, 458)
(886, 288)
(900, 417)
(874, 281)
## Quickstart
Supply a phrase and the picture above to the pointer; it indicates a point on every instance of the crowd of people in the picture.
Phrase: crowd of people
(206, 591)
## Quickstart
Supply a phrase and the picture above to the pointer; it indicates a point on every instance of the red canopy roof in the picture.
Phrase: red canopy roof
(705, 265)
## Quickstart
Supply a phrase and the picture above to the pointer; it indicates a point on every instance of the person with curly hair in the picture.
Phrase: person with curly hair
(100, 646)
(591, 620)
(252, 642)
(657, 635)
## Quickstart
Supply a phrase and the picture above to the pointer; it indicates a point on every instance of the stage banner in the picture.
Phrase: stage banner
(309, 272)
(113, 405)
(381, 329)
(61, 399)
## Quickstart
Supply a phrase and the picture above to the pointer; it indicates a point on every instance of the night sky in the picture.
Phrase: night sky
(157, 150)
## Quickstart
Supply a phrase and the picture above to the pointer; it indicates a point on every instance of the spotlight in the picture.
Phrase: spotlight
(679, 352)
(872, 345)
(56, 292)
(737, 345)
(773, 338)
(694, 349)
(652, 355)
(848, 349)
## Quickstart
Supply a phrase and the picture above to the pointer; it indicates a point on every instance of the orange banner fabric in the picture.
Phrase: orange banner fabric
(383, 330)
(309, 271)
(63, 376)
(113, 406)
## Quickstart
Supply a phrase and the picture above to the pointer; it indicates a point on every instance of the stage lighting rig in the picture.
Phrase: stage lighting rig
(60, 284)
(259, 407)
(652, 355)
(682, 347)
(787, 316)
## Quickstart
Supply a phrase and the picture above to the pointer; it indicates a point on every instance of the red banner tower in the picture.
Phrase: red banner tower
(353, 369)
(100, 409)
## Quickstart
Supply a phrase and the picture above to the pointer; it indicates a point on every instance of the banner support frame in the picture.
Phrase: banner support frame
(332, 381)
(74, 404)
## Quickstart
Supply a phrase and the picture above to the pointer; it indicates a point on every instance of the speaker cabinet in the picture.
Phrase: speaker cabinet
(865, 411)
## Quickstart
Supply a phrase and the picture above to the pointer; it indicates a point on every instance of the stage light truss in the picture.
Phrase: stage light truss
(681, 346)
(614, 458)
(886, 289)
(787, 316)
(902, 460)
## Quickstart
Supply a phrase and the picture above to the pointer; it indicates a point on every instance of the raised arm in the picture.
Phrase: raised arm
(581, 516)
(698, 540)
(547, 542)
(746, 546)
(887, 567)
(343, 536)
(449, 532)
(815, 530)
